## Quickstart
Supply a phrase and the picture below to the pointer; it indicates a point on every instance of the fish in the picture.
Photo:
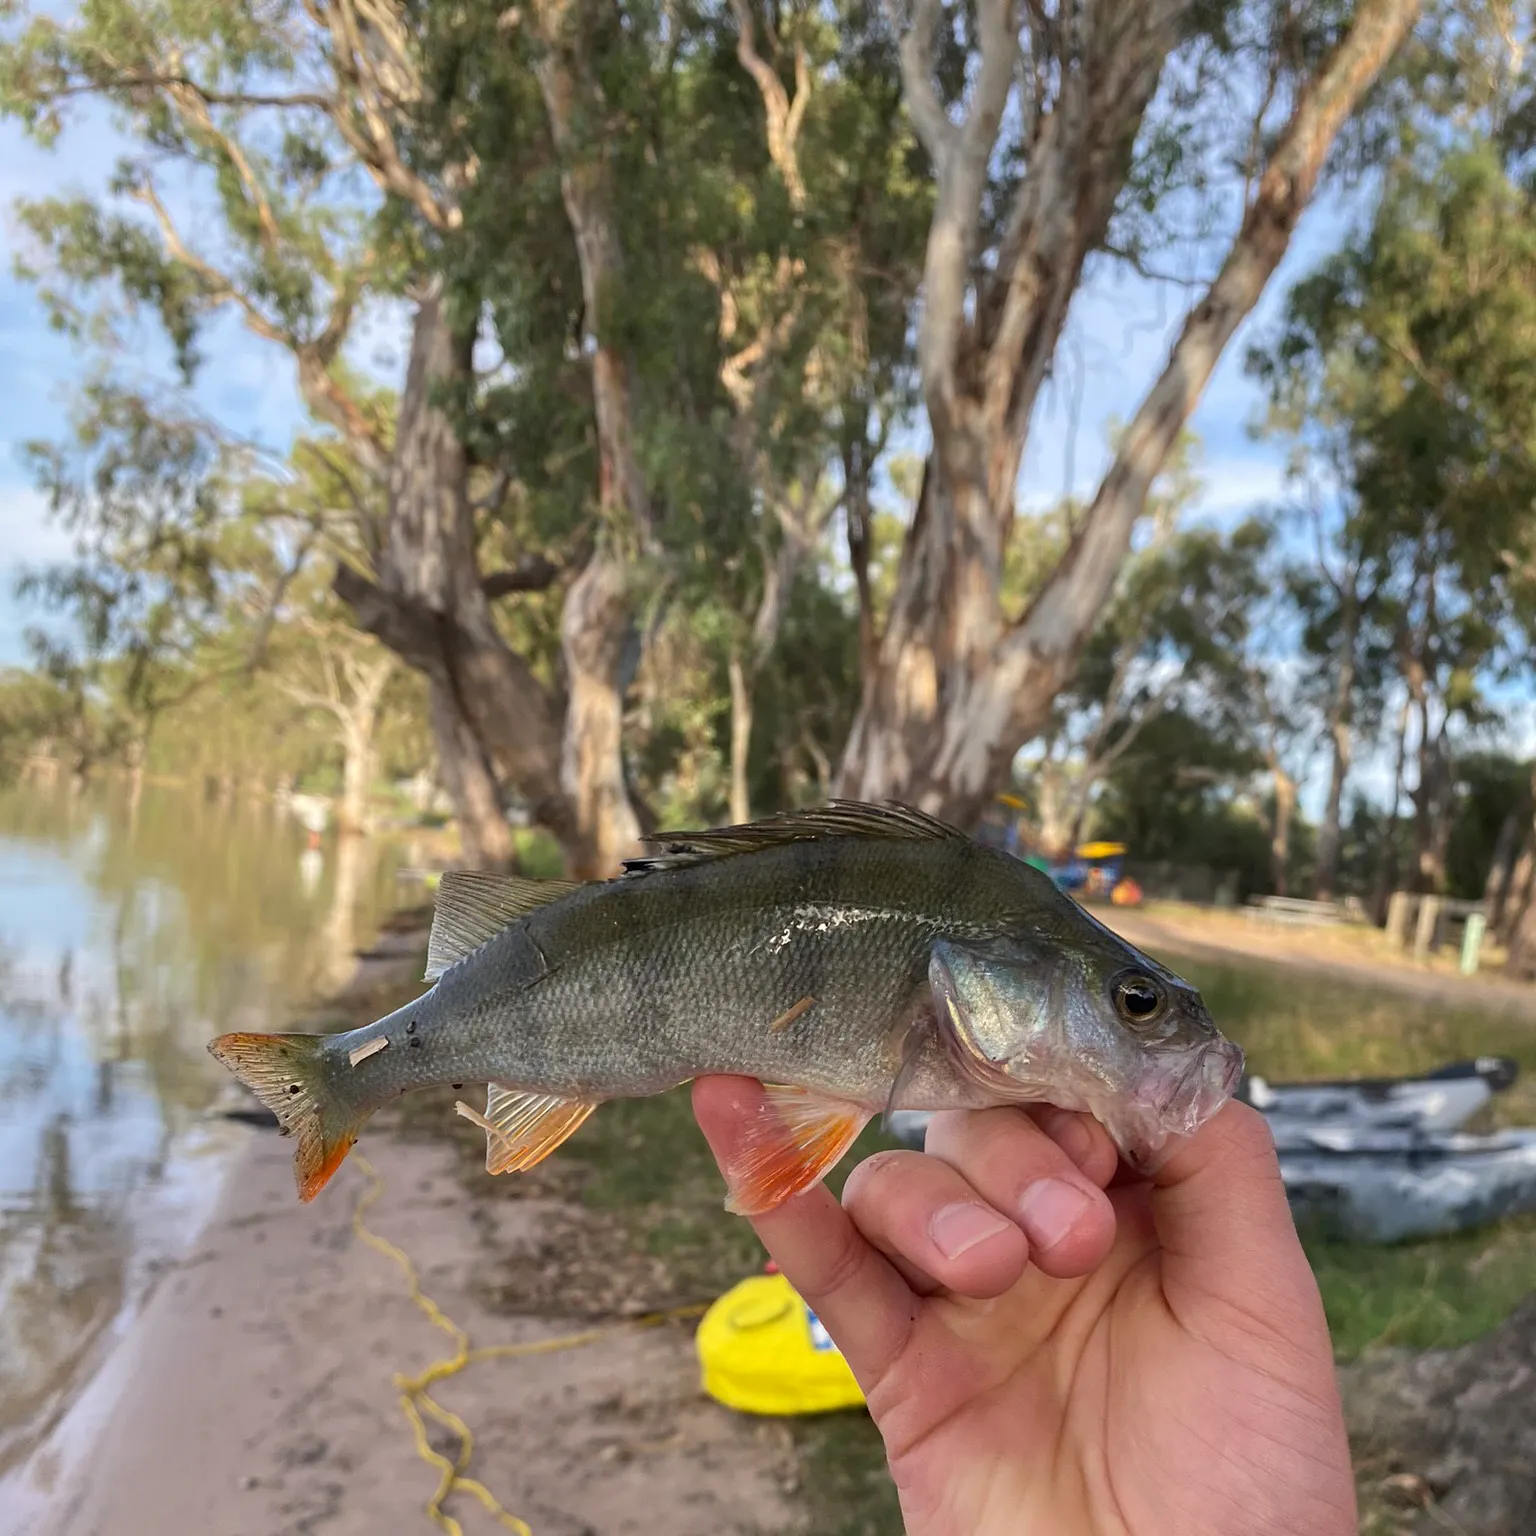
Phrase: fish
(857, 959)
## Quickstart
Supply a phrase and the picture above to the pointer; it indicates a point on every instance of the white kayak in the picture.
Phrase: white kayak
(1438, 1101)
(1384, 1186)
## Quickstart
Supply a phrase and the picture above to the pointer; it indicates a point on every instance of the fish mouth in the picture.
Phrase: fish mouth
(1210, 1080)
(1193, 1096)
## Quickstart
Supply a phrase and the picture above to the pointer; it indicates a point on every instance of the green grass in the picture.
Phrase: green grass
(1425, 1295)
(845, 1486)
(647, 1165)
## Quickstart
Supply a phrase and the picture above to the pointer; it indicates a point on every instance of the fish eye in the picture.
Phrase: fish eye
(1139, 999)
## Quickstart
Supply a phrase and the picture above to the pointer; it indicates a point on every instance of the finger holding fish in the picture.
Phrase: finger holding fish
(910, 1228)
(861, 1297)
(1015, 1168)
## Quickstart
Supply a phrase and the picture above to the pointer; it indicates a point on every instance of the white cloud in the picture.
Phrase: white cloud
(28, 534)
(1240, 484)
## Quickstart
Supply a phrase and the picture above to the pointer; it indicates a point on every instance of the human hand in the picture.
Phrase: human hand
(1049, 1345)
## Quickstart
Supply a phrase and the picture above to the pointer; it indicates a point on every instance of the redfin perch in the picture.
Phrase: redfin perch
(866, 958)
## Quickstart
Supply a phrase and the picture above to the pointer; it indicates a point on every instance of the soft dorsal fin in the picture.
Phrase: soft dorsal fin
(838, 818)
(473, 906)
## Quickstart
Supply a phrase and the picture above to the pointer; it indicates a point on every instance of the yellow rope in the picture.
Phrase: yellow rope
(416, 1399)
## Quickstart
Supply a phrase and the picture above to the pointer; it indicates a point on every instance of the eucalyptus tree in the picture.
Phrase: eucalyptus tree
(1171, 641)
(623, 240)
(1053, 134)
(1409, 353)
(149, 500)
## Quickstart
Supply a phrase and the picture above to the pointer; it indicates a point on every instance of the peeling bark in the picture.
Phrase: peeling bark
(958, 687)
(597, 626)
(595, 633)
(491, 718)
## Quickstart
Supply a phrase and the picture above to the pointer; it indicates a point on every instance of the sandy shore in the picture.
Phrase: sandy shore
(254, 1393)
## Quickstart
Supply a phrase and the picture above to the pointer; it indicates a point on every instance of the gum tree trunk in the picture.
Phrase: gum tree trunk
(958, 687)
(492, 721)
(1341, 742)
(597, 631)
(1280, 839)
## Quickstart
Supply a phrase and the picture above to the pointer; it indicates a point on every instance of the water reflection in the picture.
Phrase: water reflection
(130, 934)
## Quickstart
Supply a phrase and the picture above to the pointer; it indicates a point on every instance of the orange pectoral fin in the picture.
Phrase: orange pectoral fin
(793, 1141)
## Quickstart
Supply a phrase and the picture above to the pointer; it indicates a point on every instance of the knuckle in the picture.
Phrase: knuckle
(877, 1172)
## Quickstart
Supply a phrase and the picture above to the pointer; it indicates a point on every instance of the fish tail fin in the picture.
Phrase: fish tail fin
(288, 1074)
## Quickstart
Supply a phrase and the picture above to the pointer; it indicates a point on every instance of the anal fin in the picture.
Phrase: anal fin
(793, 1141)
(522, 1129)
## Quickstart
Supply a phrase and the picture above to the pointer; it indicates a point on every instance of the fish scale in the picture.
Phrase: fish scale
(865, 957)
(641, 983)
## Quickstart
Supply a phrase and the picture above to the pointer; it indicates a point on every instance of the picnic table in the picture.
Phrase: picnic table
(1292, 909)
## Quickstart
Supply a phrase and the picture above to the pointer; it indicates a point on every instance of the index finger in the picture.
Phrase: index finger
(866, 1305)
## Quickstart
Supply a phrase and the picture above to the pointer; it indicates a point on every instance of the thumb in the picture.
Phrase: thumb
(1226, 1231)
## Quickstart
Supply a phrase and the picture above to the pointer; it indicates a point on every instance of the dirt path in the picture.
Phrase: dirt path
(1217, 936)
(255, 1395)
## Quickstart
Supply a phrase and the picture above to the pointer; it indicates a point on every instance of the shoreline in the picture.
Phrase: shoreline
(169, 1221)
(249, 1388)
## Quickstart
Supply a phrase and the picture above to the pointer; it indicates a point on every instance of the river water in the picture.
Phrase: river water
(129, 937)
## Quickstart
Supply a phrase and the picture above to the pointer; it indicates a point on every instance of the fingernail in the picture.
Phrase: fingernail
(957, 1228)
(1049, 1209)
(1069, 1133)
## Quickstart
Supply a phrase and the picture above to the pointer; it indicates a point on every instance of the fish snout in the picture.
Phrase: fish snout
(1211, 1080)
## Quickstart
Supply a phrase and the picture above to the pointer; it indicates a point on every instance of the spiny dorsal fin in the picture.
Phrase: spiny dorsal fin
(838, 818)
(522, 1129)
(473, 906)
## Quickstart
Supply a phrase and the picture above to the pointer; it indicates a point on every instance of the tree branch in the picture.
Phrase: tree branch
(409, 628)
(1059, 618)
(532, 573)
(962, 156)
(321, 391)
(217, 287)
(379, 91)
(783, 116)
(934, 128)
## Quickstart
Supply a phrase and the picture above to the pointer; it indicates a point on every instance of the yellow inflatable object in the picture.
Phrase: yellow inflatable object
(1100, 850)
(762, 1350)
